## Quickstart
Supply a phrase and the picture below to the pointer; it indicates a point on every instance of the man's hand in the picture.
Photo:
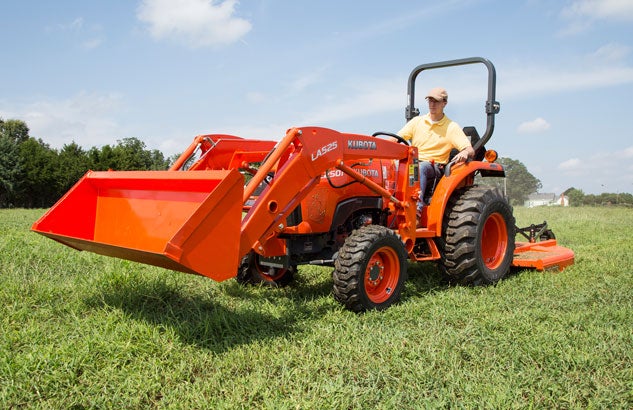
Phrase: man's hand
(464, 155)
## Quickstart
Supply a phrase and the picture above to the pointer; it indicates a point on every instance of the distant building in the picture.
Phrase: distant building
(548, 199)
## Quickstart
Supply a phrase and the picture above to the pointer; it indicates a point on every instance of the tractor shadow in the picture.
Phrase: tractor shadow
(424, 278)
(220, 319)
(229, 314)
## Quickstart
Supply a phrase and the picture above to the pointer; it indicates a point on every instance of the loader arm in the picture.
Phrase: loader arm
(313, 151)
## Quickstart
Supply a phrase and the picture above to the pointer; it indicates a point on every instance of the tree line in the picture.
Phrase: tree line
(34, 175)
(578, 198)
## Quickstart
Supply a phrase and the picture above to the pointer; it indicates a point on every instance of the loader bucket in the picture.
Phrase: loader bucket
(184, 221)
(543, 255)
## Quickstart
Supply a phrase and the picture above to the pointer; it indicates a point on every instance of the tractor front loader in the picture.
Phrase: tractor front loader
(256, 210)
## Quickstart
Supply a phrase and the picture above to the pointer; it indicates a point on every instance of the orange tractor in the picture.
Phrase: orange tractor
(256, 209)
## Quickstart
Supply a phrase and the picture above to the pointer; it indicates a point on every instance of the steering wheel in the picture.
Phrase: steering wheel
(391, 134)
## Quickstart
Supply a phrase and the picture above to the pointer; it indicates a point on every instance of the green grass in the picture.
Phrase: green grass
(78, 330)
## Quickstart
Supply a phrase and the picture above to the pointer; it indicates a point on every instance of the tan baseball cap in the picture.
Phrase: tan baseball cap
(438, 94)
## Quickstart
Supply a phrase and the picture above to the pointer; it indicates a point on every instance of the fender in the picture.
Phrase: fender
(461, 175)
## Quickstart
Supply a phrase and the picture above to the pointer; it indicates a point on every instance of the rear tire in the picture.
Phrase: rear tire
(477, 243)
(251, 272)
(370, 270)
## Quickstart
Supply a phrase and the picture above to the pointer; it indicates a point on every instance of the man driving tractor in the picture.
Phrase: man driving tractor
(435, 135)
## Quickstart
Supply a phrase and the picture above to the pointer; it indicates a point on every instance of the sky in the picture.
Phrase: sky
(163, 71)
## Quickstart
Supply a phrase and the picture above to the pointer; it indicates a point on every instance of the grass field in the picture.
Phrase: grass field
(78, 330)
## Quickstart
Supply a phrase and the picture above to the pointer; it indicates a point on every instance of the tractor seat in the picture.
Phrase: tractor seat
(473, 137)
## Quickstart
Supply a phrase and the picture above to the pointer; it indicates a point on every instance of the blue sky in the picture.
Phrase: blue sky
(163, 71)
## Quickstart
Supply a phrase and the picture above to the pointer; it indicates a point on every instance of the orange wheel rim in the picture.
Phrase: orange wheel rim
(494, 241)
(382, 274)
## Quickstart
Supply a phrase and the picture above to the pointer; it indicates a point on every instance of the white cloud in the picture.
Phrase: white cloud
(581, 14)
(601, 169)
(306, 80)
(610, 53)
(572, 164)
(535, 126)
(92, 43)
(87, 35)
(196, 23)
(172, 145)
(293, 88)
(373, 97)
(602, 68)
(86, 118)
(75, 25)
(600, 9)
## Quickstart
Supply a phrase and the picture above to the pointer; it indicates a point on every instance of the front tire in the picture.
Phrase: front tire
(370, 270)
(477, 243)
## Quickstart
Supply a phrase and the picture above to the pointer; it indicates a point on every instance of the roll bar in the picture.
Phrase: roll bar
(492, 106)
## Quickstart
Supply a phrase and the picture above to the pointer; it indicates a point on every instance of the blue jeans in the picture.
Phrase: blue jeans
(428, 172)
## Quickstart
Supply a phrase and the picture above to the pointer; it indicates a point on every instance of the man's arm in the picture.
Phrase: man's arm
(460, 140)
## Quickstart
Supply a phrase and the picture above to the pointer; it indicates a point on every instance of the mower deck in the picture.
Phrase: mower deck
(544, 255)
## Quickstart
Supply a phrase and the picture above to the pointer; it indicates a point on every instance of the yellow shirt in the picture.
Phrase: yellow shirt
(434, 140)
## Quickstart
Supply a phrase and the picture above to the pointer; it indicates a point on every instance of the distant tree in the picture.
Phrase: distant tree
(519, 183)
(609, 198)
(10, 171)
(12, 134)
(625, 199)
(15, 130)
(32, 174)
(38, 187)
(101, 159)
(73, 164)
(590, 200)
(130, 154)
(159, 162)
(576, 196)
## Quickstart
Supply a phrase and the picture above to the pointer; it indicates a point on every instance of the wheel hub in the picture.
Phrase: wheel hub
(376, 273)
